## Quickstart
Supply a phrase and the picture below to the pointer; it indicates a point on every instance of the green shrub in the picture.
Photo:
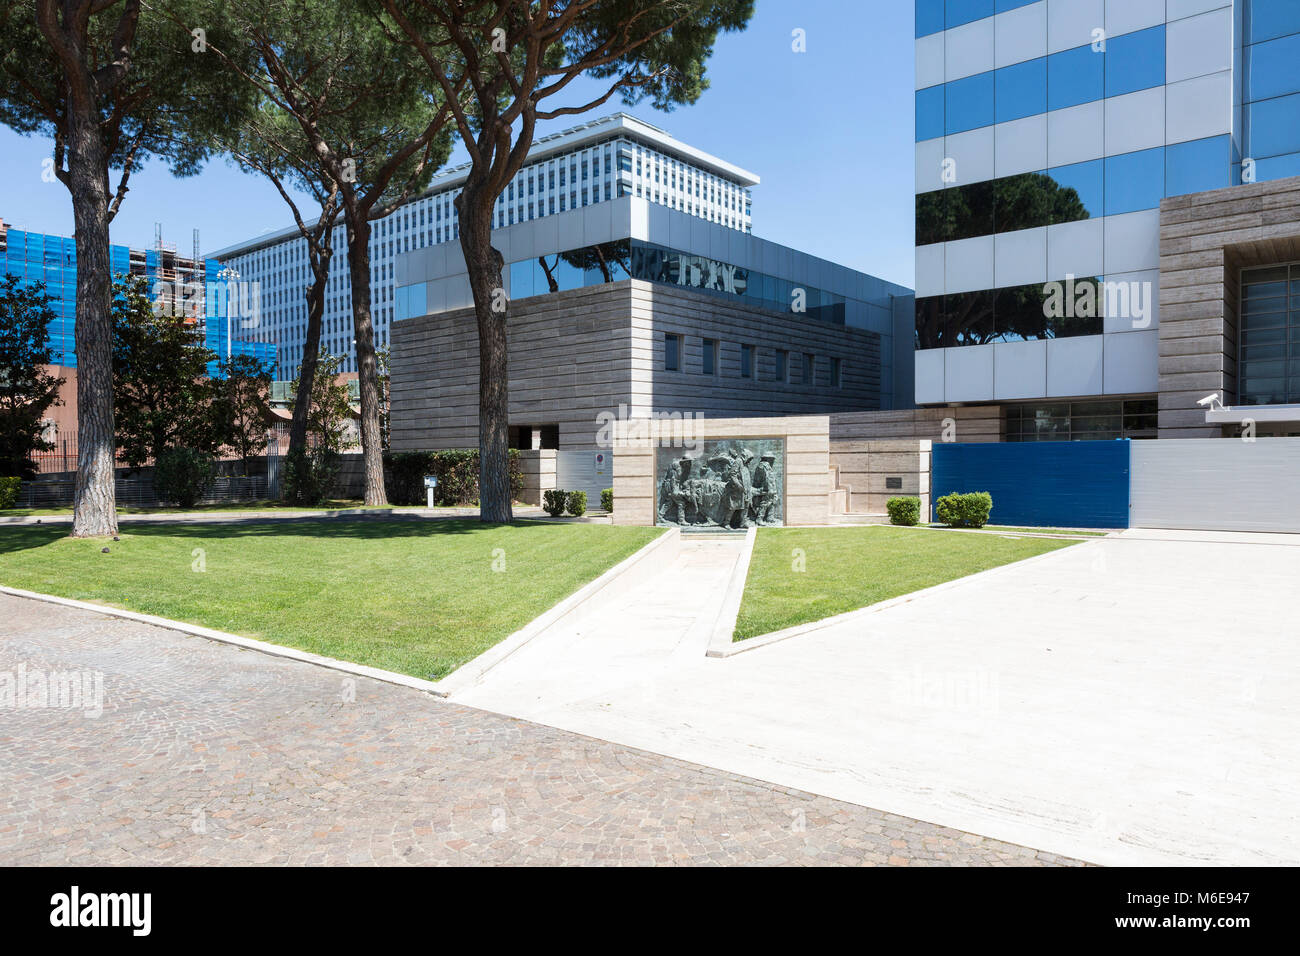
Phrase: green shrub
(607, 499)
(553, 502)
(181, 476)
(904, 511)
(9, 488)
(455, 468)
(964, 510)
(576, 502)
(309, 476)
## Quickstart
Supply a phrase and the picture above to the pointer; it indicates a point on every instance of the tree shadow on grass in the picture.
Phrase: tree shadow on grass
(26, 537)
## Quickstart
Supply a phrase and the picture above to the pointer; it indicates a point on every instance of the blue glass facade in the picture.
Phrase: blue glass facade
(1271, 88)
(52, 260)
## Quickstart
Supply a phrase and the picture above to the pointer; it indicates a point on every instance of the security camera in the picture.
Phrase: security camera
(1212, 401)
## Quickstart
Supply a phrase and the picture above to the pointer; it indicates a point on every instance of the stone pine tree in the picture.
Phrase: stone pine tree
(111, 83)
(355, 117)
(517, 59)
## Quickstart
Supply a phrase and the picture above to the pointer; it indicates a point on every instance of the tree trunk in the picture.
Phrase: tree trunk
(320, 270)
(372, 445)
(484, 265)
(94, 501)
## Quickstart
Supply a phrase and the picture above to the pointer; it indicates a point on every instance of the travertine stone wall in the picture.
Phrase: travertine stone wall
(864, 469)
(576, 354)
(807, 462)
(1206, 239)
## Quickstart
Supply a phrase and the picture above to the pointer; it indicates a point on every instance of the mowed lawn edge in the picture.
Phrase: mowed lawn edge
(801, 575)
(419, 597)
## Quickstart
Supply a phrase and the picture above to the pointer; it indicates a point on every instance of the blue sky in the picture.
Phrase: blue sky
(829, 131)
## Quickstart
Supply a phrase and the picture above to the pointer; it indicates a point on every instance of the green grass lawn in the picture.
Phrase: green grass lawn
(849, 568)
(419, 597)
(1078, 532)
(338, 504)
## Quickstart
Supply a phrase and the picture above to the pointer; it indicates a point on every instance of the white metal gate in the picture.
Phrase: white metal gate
(1216, 484)
(580, 470)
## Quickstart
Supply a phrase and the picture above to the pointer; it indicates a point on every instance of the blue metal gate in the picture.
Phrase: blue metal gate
(1081, 484)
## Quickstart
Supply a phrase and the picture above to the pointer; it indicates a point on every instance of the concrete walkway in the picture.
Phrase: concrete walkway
(1129, 700)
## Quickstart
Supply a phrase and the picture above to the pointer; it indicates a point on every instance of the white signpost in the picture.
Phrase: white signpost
(430, 485)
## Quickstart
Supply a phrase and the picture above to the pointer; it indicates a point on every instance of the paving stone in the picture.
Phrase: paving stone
(208, 754)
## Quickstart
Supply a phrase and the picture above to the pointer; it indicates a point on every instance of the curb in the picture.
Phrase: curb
(724, 624)
(627, 573)
(228, 517)
(773, 637)
(247, 643)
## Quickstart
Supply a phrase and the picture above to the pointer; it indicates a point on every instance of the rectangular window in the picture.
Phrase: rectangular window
(709, 365)
(837, 373)
(782, 365)
(809, 364)
(747, 361)
(672, 352)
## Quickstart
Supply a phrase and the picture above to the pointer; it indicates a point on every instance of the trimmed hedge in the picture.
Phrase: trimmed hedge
(181, 476)
(576, 503)
(553, 501)
(9, 489)
(969, 510)
(904, 511)
(607, 500)
(455, 468)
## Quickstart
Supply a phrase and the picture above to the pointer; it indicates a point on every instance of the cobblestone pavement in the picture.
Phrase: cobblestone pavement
(207, 754)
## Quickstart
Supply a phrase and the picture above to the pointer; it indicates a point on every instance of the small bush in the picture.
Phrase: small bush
(904, 511)
(964, 510)
(576, 502)
(181, 476)
(309, 476)
(9, 488)
(607, 499)
(553, 502)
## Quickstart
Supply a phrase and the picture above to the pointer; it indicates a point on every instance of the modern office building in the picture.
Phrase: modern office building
(1105, 230)
(588, 165)
(633, 309)
(52, 260)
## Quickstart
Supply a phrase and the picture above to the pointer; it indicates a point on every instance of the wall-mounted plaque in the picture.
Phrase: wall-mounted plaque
(892, 483)
(730, 484)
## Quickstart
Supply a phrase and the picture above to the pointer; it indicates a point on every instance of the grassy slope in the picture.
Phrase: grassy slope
(849, 568)
(418, 597)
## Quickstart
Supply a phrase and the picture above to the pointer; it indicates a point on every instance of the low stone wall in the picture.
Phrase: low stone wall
(538, 467)
(866, 469)
(807, 462)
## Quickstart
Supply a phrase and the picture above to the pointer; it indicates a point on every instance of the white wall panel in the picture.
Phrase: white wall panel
(1126, 16)
(1131, 363)
(1145, 285)
(973, 154)
(1020, 257)
(929, 269)
(1135, 121)
(929, 61)
(1070, 22)
(1075, 248)
(969, 49)
(968, 265)
(1198, 45)
(1196, 109)
(1021, 34)
(1215, 484)
(1077, 134)
(929, 376)
(929, 165)
(1021, 146)
(1019, 370)
(968, 374)
(1133, 241)
(1074, 366)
